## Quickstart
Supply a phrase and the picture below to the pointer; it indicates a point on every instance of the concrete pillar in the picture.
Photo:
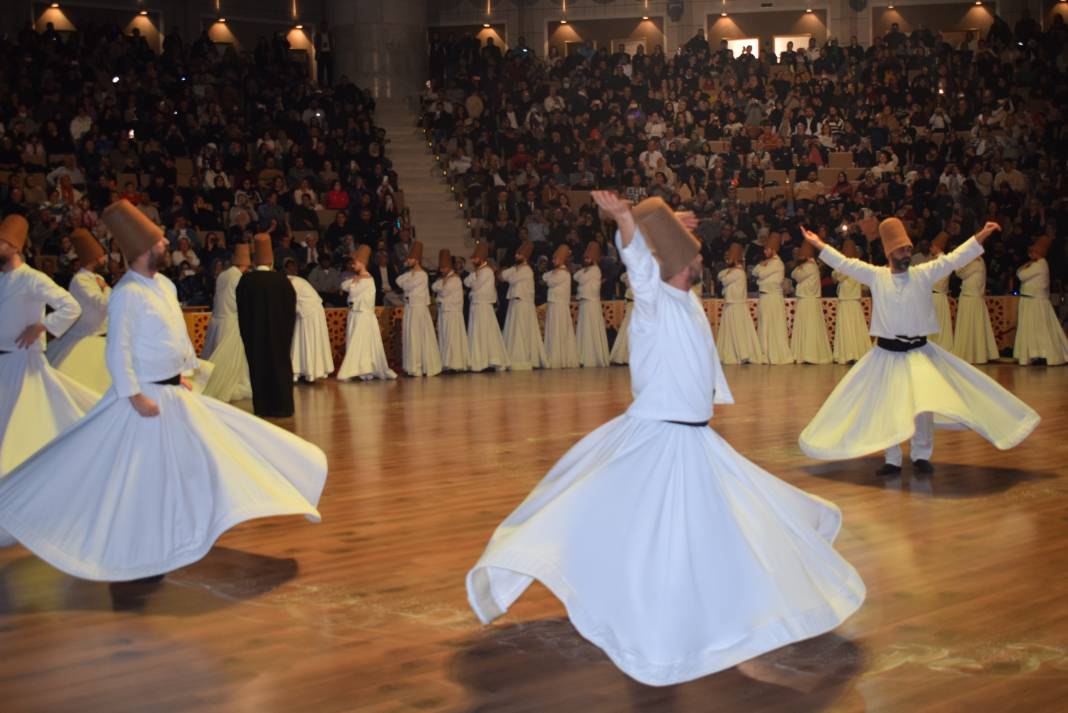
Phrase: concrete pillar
(381, 46)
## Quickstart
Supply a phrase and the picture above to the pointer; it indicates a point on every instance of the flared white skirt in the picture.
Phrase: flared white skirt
(771, 327)
(621, 346)
(810, 344)
(973, 337)
(420, 354)
(737, 341)
(851, 338)
(312, 355)
(452, 341)
(37, 403)
(485, 342)
(876, 403)
(671, 552)
(365, 355)
(591, 335)
(230, 379)
(522, 337)
(81, 359)
(150, 495)
(1039, 334)
(561, 347)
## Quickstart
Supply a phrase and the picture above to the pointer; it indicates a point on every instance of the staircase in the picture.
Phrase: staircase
(438, 220)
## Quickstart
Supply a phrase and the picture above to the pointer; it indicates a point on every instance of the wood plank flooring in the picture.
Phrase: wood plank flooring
(967, 605)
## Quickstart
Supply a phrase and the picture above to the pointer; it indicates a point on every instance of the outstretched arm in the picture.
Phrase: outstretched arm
(959, 258)
(859, 270)
(619, 209)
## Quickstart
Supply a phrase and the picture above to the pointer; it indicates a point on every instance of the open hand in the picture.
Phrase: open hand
(29, 336)
(612, 204)
(186, 383)
(144, 406)
(813, 239)
(688, 219)
(987, 230)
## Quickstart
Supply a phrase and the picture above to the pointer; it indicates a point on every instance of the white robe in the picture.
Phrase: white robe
(973, 336)
(591, 336)
(365, 355)
(809, 343)
(671, 552)
(312, 355)
(851, 339)
(878, 402)
(771, 312)
(36, 401)
(484, 339)
(737, 342)
(150, 495)
(1039, 334)
(940, 297)
(79, 352)
(561, 348)
(522, 336)
(621, 346)
(420, 354)
(452, 333)
(223, 346)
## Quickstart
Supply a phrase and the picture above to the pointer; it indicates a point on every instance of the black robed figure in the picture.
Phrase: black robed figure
(266, 314)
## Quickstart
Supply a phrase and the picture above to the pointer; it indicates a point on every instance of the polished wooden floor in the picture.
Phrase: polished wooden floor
(967, 604)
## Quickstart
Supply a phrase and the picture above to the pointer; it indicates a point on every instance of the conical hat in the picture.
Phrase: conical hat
(14, 230)
(774, 242)
(262, 250)
(87, 247)
(735, 253)
(675, 246)
(416, 251)
(562, 254)
(362, 255)
(1042, 245)
(131, 228)
(893, 234)
(593, 252)
(525, 250)
(242, 255)
(849, 249)
(444, 260)
(481, 251)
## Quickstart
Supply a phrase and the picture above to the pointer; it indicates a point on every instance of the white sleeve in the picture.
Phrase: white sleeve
(938, 268)
(469, 281)
(641, 265)
(66, 309)
(117, 353)
(862, 272)
(85, 289)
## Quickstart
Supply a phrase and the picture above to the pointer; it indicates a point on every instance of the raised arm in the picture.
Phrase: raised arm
(859, 270)
(65, 309)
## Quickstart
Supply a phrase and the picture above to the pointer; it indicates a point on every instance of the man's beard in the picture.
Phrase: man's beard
(902, 263)
(695, 277)
(4, 260)
(155, 259)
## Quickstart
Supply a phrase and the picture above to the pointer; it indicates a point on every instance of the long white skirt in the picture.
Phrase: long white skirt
(230, 380)
(672, 552)
(621, 346)
(771, 327)
(522, 336)
(810, 344)
(311, 352)
(973, 338)
(1039, 334)
(591, 335)
(452, 340)
(365, 355)
(737, 341)
(150, 495)
(484, 339)
(876, 404)
(37, 403)
(851, 338)
(944, 338)
(81, 359)
(420, 355)
(561, 349)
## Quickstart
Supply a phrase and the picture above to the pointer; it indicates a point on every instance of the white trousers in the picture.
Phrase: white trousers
(920, 446)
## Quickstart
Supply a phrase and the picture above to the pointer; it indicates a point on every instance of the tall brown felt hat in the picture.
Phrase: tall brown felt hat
(416, 251)
(131, 228)
(88, 248)
(675, 247)
(525, 250)
(735, 252)
(363, 255)
(562, 254)
(774, 242)
(14, 230)
(444, 260)
(893, 234)
(242, 255)
(262, 250)
(481, 251)
(1042, 245)
(593, 252)
(807, 250)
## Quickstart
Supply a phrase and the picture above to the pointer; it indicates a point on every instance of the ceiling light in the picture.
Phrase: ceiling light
(486, 25)
(645, 17)
(563, 22)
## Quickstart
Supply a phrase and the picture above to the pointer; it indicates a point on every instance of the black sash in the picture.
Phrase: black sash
(701, 424)
(901, 344)
(175, 380)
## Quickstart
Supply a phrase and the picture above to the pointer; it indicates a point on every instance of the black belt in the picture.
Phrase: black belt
(692, 424)
(901, 344)
(1029, 297)
(175, 380)
(4, 351)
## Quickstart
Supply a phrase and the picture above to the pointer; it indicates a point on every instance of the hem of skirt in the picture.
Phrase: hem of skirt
(770, 636)
(77, 568)
(1003, 444)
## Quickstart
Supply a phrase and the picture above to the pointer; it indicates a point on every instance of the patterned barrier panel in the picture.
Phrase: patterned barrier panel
(391, 319)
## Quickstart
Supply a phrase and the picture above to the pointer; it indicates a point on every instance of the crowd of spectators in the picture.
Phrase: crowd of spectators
(213, 145)
(829, 136)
